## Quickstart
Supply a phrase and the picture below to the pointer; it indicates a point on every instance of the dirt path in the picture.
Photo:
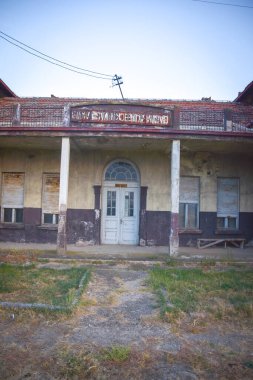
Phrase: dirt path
(125, 313)
(117, 309)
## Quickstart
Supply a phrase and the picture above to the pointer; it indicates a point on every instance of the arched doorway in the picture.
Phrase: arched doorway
(120, 203)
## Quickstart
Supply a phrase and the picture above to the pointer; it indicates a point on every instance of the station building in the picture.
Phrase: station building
(139, 172)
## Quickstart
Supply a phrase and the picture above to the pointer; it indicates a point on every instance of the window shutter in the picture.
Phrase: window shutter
(228, 197)
(13, 190)
(189, 190)
(50, 197)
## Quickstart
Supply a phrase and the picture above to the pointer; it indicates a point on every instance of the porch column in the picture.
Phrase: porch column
(97, 211)
(174, 191)
(63, 196)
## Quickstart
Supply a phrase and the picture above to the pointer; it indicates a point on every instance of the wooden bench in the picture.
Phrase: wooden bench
(205, 243)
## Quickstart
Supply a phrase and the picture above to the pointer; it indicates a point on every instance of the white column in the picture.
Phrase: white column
(174, 192)
(63, 195)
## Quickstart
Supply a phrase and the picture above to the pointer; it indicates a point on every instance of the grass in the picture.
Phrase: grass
(29, 284)
(76, 365)
(116, 354)
(221, 293)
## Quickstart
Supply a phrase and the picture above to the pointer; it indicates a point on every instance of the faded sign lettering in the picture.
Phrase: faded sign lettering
(97, 116)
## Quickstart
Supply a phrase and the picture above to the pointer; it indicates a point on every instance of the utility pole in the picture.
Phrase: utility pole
(117, 81)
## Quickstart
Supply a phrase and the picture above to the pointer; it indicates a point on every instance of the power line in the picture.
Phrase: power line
(82, 72)
(57, 60)
(228, 4)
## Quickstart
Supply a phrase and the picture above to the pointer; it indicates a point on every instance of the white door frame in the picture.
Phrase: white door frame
(119, 228)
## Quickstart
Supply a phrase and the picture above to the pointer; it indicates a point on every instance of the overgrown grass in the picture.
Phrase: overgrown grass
(221, 293)
(29, 284)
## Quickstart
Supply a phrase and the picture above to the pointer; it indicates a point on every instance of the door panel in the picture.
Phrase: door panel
(111, 217)
(129, 222)
(120, 215)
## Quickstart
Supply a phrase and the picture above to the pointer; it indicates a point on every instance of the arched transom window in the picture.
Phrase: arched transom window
(121, 171)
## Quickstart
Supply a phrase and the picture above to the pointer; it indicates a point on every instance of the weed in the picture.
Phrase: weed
(141, 266)
(207, 263)
(43, 260)
(87, 301)
(221, 293)
(29, 284)
(145, 358)
(248, 364)
(97, 262)
(70, 296)
(172, 262)
(79, 364)
(116, 354)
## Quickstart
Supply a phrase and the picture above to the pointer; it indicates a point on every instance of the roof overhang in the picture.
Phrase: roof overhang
(5, 91)
(246, 96)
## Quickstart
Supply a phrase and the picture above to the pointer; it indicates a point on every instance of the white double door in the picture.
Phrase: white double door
(120, 217)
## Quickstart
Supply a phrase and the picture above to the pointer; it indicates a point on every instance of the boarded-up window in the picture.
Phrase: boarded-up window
(50, 198)
(189, 202)
(228, 203)
(12, 197)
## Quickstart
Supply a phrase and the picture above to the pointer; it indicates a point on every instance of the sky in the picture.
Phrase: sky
(162, 49)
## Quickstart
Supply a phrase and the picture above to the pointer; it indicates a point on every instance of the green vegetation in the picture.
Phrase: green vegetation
(29, 284)
(76, 365)
(221, 293)
(116, 353)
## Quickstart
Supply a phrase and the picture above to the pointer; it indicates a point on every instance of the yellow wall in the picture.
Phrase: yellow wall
(86, 170)
(209, 166)
(33, 164)
(87, 167)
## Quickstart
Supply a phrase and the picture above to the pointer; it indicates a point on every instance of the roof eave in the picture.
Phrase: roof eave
(7, 91)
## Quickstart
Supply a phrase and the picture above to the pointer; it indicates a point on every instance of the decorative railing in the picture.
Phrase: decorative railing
(54, 116)
(202, 120)
(31, 116)
(7, 116)
(41, 117)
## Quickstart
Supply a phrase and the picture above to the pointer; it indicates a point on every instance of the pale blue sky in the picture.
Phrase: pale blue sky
(174, 49)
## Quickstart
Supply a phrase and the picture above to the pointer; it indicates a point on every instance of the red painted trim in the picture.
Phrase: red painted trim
(166, 132)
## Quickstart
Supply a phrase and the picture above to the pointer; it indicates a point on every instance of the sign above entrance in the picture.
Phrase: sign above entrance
(121, 114)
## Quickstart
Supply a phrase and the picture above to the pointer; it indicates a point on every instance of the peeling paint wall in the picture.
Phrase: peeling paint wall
(87, 168)
(33, 164)
(209, 166)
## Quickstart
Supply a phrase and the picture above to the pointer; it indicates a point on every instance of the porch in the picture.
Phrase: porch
(132, 253)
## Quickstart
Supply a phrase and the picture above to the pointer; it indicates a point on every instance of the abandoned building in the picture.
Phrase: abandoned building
(140, 172)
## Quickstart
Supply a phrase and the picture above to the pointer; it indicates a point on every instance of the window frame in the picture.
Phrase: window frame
(186, 204)
(12, 207)
(224, 215)
(44, 210)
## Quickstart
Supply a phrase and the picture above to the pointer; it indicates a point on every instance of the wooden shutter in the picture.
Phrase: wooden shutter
(13, 190)
(189, 190)
(228, 197)
(50, 196)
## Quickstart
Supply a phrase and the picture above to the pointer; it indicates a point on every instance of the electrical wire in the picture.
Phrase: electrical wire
(82, 72)
(228, 4)
(57, 60)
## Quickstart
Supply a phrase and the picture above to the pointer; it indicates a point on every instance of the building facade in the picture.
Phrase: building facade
(140, 172)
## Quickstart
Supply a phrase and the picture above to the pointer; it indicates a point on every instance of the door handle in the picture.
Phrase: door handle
(121, 220)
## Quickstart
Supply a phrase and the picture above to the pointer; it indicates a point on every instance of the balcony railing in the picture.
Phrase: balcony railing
(216, 120)
(232, 120)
